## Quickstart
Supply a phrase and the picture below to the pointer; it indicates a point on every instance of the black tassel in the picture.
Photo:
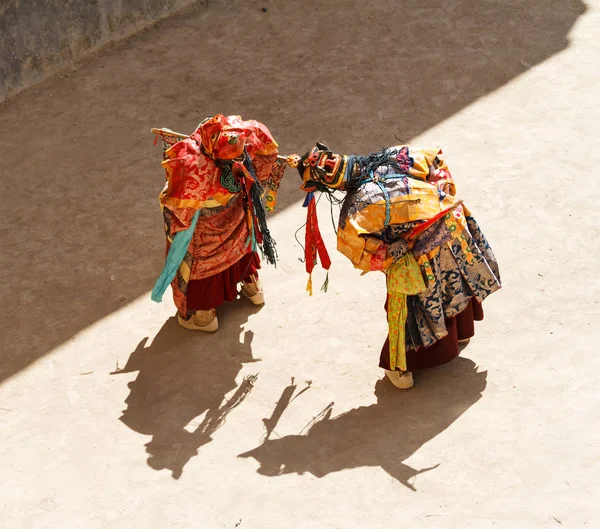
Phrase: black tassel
(326, 284)
(256, 191)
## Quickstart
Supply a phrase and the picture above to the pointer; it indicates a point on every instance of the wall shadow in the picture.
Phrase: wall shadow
(185, 375)
(381, 435)
(81, 232)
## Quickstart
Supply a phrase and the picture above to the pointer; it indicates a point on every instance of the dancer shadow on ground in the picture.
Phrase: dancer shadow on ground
(182, 376)
(384, 434)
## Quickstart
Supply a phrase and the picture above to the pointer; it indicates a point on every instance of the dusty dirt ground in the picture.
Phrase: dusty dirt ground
(113, 416)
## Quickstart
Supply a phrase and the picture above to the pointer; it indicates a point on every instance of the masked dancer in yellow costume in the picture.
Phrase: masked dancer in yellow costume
(400, 216)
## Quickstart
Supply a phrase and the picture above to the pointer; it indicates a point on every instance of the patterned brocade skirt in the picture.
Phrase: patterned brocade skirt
(460, 273)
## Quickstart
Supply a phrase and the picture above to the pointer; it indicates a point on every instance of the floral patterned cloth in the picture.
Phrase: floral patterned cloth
(196, 179)
(403, 278)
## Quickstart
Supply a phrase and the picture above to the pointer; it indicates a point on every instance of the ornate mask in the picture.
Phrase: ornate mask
(321, 167)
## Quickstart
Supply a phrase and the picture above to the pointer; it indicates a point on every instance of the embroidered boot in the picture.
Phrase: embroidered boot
(401, 379)
(202, 320)
(253, 291)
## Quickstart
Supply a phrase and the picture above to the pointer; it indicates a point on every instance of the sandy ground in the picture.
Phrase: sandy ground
(113, 416)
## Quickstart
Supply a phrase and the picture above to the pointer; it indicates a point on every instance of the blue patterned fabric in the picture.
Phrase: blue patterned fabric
(431, 239)
(456, 279)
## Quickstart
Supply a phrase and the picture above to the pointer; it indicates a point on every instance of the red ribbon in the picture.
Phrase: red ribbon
(314, 241)
(417, 230)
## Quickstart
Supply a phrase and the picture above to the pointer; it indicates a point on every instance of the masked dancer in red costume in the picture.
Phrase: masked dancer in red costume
(215, 215)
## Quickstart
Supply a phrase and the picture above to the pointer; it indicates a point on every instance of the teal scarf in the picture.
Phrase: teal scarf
(176, 254)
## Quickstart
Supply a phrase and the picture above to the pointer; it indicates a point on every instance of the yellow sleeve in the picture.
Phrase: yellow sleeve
(366, 252)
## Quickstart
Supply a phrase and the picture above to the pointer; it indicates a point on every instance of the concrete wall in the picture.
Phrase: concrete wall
(39, 37)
